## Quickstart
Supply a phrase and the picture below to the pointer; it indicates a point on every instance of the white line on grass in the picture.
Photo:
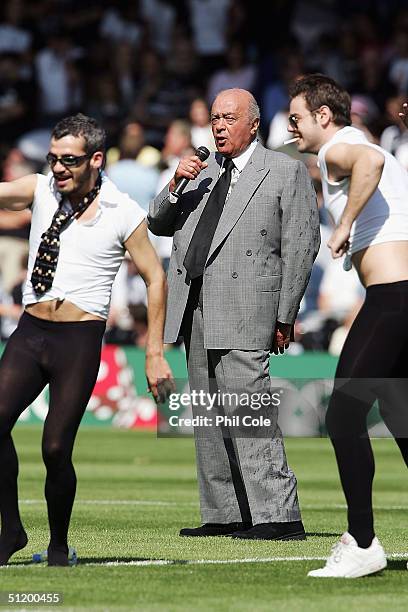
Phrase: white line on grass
(150, 562)
(152, 502)
(116, 502)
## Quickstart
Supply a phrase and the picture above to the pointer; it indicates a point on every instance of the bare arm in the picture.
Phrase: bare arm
(158, 373)
(17, 195)
(364, 166)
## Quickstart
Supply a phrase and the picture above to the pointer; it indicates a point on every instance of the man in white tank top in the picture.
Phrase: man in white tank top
(81, 227)
(366, 192)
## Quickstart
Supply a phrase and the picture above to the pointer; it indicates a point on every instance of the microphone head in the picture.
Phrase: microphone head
(202, 153)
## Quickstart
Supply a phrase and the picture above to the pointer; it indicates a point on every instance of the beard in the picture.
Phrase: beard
(80, 183)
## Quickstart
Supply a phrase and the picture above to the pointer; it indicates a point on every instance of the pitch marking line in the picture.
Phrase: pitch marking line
(148, 562)
(141, 502)
(151, 562)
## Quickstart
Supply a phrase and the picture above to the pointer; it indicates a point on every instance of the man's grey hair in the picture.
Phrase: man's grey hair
(253, 109)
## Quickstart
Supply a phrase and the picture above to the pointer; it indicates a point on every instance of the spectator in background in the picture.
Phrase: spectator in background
(14, 225)
(363, 115)
(11, 304)
(177, 144)
(58, 78)
(398, 69)
(138, 312)
(201, 132)
(129, 174)
(185, 79)
(128, 289)
(16, 104)
(274, 94)
(153, 106)
(160, 17)
(13, 37)
(209, 23)
(393, 135)
(339, 292)
(122, 23)
(104, 103)
(237, 73)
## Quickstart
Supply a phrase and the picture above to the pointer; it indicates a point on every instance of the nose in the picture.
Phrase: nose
(220, 124)
(58, 166)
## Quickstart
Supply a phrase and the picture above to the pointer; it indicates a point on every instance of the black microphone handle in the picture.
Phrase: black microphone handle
(181, 185)
(202, 153)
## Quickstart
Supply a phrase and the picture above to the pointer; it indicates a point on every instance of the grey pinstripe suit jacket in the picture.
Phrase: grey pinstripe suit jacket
(261, 254)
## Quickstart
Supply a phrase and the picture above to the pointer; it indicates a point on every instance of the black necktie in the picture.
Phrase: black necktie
(46, 261)
(200, 243)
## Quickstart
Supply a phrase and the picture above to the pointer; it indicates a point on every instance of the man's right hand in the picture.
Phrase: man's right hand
(404, 114)
(189, 167)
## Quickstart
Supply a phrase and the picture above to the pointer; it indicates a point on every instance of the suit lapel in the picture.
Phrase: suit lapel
(251, 176)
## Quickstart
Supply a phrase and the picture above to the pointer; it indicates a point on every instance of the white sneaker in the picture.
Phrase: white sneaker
(348, 560)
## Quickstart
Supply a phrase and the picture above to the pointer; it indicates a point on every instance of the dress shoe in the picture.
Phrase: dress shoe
(293, 530)
(215, 529)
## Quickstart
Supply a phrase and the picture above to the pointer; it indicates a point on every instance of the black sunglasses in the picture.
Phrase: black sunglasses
(67, 160)
(294, 119)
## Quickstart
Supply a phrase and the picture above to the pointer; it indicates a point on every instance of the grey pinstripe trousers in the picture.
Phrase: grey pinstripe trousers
(241, 478)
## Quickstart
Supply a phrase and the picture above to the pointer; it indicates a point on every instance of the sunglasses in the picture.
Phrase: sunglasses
(294, 119)
(70, 161)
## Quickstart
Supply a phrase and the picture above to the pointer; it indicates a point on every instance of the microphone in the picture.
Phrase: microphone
(202, 153)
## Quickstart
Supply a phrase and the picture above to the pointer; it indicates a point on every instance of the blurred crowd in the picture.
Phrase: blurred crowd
(149, 70)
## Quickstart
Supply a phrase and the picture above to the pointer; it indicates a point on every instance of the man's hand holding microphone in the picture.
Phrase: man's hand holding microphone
(188, 169)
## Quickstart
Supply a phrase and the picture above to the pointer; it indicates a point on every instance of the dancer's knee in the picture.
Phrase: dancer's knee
(55, 454)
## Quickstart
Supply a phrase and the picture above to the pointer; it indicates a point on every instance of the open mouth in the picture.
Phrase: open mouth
(221, 141)
(62, 181)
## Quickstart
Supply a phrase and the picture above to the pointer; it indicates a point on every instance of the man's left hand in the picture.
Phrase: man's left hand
(282, 337)
(159, 377)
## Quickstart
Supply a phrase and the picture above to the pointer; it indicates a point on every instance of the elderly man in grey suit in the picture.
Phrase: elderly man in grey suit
(246, 232)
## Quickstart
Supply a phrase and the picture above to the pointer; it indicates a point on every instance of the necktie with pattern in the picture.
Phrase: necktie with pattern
(200, 243)
(46, 261)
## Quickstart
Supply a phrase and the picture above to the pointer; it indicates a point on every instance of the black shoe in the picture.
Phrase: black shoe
(293, 530)
(215, 529)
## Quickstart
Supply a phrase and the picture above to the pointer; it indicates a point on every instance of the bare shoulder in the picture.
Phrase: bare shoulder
(344, 155)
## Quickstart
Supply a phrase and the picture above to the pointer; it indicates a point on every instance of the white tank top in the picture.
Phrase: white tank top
(385, 216)
(90, 252)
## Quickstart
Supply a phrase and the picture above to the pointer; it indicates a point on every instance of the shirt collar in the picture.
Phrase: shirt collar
(241, 160)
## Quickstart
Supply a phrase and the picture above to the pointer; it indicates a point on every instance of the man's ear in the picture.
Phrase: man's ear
(255, 126)
(97, 160)
(325, 114)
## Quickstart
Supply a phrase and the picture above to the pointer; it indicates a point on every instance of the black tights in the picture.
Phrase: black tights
(373, 365)
(66, 356)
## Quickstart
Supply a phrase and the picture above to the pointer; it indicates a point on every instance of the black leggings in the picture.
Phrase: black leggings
(66, 356)
(373, 365)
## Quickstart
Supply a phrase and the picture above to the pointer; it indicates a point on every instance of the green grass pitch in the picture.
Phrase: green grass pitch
(136, 491)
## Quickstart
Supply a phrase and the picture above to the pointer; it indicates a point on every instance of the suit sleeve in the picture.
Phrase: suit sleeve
(162, 214)
(300, 239)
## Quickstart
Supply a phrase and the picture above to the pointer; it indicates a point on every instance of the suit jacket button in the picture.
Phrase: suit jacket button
(234, 275)
(249, 252)
(179, 271)
(263, 232)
